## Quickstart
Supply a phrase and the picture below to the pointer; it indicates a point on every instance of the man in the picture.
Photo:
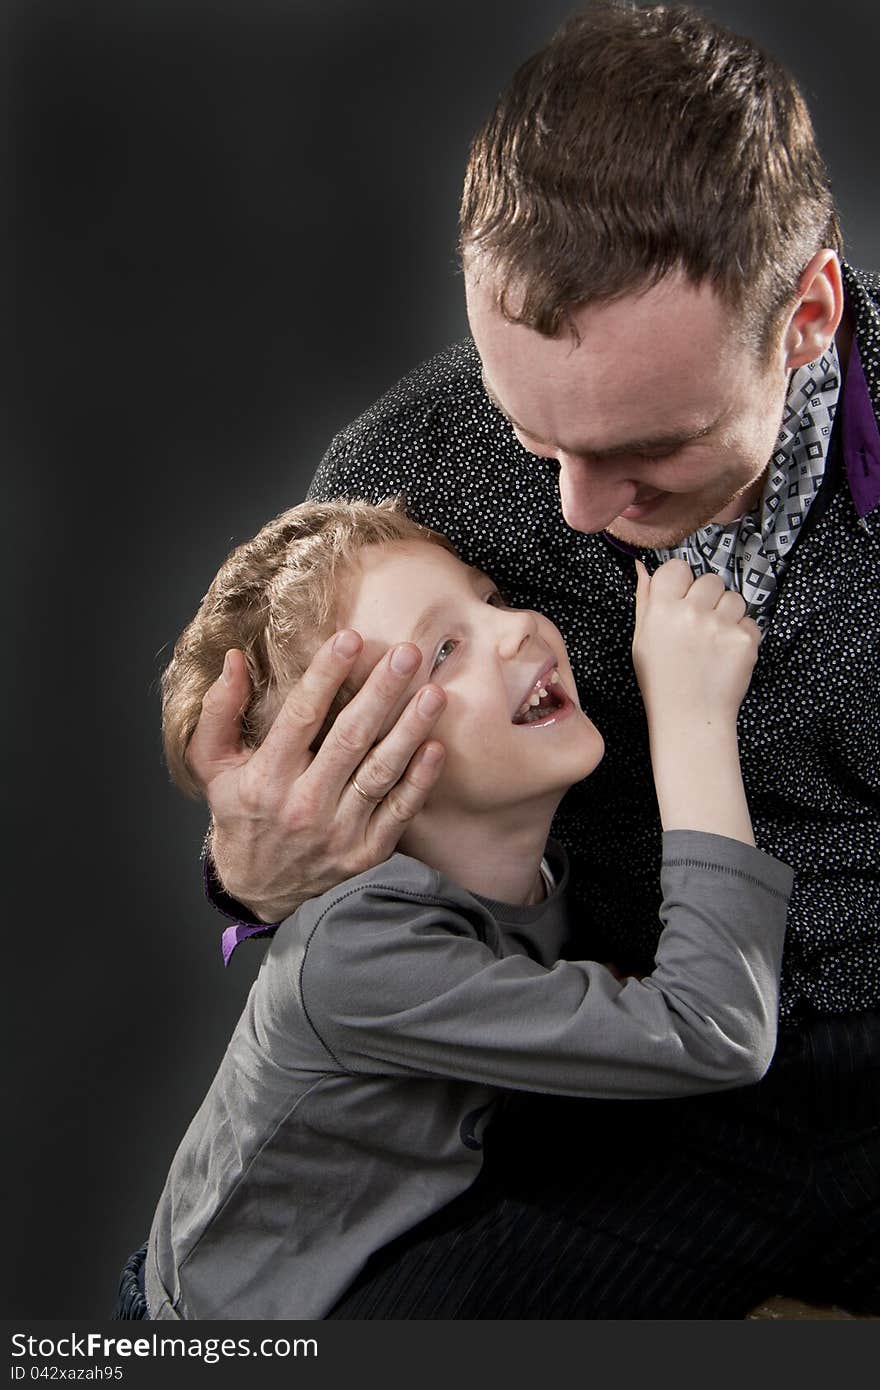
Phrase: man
(667, 345)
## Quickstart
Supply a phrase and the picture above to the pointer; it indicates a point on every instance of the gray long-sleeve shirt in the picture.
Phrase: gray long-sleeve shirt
(386, 1019)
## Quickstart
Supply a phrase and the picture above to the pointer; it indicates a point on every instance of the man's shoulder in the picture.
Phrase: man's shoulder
(436, 440)
(449, 374)
(449, 381)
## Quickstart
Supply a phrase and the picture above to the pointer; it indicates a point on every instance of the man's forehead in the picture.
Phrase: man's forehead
(648, 332)
(660, 360)
(629, 438)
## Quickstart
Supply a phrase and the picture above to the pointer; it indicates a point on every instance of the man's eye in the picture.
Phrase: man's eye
(443, 653)
(660, 455)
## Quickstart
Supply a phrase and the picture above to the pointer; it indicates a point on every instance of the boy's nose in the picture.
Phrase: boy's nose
(518, 627)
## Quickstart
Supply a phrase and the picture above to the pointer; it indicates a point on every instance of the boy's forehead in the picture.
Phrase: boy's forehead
(423, 561)
(399, 587)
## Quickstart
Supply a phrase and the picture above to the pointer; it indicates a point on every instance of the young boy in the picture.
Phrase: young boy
(391, 1014)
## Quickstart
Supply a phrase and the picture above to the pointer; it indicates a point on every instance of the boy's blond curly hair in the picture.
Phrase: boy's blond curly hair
(275, 599)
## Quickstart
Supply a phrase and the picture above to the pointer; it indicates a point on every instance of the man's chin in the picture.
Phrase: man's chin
(653, 535)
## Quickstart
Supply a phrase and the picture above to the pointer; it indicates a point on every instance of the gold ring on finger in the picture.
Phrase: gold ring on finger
(365, 796)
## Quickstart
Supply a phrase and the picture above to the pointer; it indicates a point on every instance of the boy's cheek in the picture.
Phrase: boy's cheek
(458, 729)
(551, 634)
(469, 731)
(444, 728)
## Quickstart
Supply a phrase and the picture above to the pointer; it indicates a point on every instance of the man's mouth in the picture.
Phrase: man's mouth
(643, 507)
(544, 700)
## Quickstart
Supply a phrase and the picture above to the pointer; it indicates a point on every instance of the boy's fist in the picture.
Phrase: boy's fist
(693, 647)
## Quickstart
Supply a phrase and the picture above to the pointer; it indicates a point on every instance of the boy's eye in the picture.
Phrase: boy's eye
(443, 653)
(495, 599)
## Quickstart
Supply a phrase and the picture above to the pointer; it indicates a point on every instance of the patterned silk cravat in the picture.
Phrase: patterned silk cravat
(750, 553)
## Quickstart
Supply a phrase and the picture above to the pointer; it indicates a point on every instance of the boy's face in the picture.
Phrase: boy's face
(491, 661)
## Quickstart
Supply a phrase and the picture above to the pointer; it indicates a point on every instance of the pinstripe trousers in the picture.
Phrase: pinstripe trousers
(662, 1209)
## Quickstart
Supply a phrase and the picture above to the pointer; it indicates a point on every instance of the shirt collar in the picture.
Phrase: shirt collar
(860, 437)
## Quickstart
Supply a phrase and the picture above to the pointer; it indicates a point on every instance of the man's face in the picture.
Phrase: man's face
(661, 418)
(491, 661)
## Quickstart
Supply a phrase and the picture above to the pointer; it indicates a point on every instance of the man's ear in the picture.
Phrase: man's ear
(818, 310)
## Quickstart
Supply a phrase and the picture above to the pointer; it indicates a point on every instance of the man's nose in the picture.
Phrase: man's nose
(592, 492)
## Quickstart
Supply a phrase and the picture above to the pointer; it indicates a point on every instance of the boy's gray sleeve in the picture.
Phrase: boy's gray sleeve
(402, 985)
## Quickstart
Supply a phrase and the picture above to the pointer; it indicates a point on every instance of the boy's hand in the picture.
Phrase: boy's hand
(693, 647)
(288, 824)
(694, 650)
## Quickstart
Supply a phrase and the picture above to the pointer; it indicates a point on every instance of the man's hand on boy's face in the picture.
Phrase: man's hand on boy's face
(289, 824)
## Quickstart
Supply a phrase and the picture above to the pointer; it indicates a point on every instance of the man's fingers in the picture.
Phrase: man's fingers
(380, 768)
(307, 703)
(385, 764)
(394, 813)
(358, 727)
(216, 739)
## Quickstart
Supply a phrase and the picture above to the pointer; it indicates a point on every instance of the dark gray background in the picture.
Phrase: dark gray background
(234, 226)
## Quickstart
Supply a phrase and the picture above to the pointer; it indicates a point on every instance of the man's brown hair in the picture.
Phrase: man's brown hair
(274, 598)
(638, 142)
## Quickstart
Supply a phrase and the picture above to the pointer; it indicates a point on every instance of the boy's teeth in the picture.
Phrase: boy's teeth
(538, 694)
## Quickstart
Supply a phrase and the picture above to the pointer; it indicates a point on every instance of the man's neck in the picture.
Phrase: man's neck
(497, 856)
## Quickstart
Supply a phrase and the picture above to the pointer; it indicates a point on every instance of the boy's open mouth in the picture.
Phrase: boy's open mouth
(543, 700)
